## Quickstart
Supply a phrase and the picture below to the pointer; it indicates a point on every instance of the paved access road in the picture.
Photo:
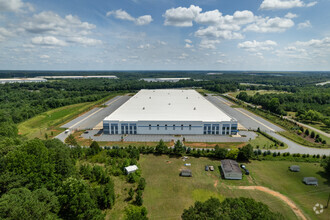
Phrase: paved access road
(244, 117)
(92, 118)
(252, 121)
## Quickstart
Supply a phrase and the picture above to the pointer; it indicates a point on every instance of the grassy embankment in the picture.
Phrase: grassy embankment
(50, 121)
(264, 143)
(167, 194)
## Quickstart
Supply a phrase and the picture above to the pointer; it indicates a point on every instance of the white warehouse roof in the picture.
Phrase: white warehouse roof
(168, 105)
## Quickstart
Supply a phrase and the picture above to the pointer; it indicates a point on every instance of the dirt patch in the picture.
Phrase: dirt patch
(216, 183)
(168, 161)
(282, 197)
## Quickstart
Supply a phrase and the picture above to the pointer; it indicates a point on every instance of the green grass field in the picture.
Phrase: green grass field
(49, 121)
(264, 143)
(167, 194)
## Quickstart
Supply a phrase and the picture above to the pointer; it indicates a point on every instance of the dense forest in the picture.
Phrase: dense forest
(309, 103)
(21, 101)
(50, 180)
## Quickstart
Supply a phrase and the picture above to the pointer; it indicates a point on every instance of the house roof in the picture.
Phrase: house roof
(131, 168)
(295, 167)
(310, 179)
(230, 166)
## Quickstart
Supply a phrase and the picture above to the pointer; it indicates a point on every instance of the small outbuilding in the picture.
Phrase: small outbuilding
(131, 169)
(186, 173)
(294, 168)
(231, 170)
(310, 181)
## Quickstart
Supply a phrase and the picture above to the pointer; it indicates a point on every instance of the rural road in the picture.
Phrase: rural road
(282, 197)
(310, 127)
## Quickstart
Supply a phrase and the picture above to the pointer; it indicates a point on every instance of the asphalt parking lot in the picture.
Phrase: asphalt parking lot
(167, 138)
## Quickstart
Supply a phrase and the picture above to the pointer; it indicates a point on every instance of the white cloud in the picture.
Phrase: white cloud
(162, 42)
(264, 25)
(188, 46)
(85, 41)
(51, 23)
(208, 44)
(183, 56)
(209, 17)
(181, 16)
(144, 46)
(254, 46)
(188, 41)
(284, 4)
(48, 41)
(290, 15)
(120, 14)
(123, 15)
(50, 26)
(306, 24)
(143, 20)
(215, 32)
(44, 56)
(4, 33)
(325, 42)
(14, 6)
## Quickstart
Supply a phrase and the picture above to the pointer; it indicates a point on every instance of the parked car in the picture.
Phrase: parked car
(247, 172)
(206, 168)
(243, 166)
(211, 168)
(85, 132)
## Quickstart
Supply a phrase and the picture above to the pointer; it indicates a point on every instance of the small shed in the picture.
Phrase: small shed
(186, 173)
(294, 168)
(231, 170)
(310, 181)
(131, 169)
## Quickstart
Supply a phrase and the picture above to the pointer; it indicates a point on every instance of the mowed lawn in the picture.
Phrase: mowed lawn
(167, 194)
(38, 125)
(275, 175)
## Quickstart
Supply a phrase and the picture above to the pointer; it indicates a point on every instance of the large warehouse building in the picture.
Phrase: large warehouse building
(169, 111)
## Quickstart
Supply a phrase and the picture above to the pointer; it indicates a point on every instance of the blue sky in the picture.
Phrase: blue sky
(165, 35)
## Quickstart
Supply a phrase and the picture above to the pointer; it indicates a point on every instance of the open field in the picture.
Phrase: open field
(253, 92)
(167, 194)
(52, 119)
